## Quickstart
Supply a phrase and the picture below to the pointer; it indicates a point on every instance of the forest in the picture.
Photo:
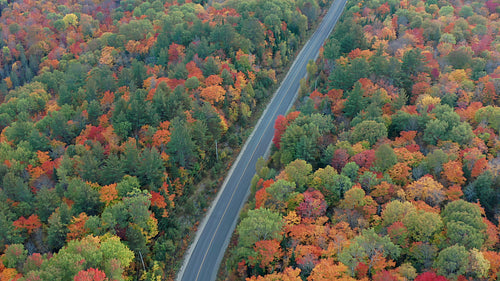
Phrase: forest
(388, 166)
(118, 120)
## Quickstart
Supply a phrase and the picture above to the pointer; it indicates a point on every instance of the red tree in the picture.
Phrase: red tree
(430, 276)
(91, 274)
(30, 224)
(314, 204)
(280, 126)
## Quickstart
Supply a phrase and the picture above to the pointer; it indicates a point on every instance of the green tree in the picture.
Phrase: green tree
(350, 35)
(16, 188)
(300, 139)
(365, 247)
(452, 262)
(46, 201)
(113, 248)
(395, 211)
(461, 58)
(260, 224)
(464, 224)
(369, 130)
(332, 185)
(385, 158)
(181, 147)
(113, 170)
(57, 230)
(192, 83)
(298, 172)
(413, 63)
(280, 191)
(484, 190)
(8, 233)
(150, 168)
(355, 101)
(14, 256)
(350, 170)
(460, 233)
(85, 198)
(422, 226)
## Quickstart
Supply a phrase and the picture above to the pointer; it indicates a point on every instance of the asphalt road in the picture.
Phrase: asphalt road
(203, 257)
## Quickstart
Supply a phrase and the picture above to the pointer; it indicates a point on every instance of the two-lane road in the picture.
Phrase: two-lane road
(203, 257)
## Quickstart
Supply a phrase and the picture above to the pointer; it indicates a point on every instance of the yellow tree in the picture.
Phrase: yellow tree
(289, 274)
(426, 189)
(327, 270)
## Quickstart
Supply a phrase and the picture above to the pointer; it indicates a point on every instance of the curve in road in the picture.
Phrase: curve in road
(205, 254)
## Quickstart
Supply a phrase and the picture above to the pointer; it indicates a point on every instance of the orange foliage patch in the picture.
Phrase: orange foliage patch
(30, 224)
(108, 194)
(77, 227)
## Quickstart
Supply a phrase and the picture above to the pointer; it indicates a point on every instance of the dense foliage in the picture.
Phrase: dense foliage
(117, 120)
(389, 167)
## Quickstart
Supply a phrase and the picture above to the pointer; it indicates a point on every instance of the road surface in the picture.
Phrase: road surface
(203, 257)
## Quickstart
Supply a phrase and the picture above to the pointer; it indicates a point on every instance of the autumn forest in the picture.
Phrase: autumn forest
(120, 119)
(388, 166)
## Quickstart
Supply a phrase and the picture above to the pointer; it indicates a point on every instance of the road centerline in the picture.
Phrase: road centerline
(202, 259)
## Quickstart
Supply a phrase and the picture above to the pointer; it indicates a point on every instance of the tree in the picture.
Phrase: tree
(150, 168)
(279, 193)
(313, 206)
(300, 140)
(267, 254)
(460, 233)
(113, 170)
(350, 35)
(452, 262)
(395, 211)
(355, 101)
(369, 130)
(77, 229)
(426, 189)
(85, 198)
(56, 232)
(422, 255)
(494, 260)
(350, 170)
(482, 189)
(430, 276)
(332, 185)
(412, 65)
(385, 158)
(289, 274)
(327, 270)
(181, 147)
(368, 248)
(113, 249)
(46, 201)
(340, 159)
(260, 224)
(298, 171)
(365, 158)
(213, 94)
(90, 274)
(30, 224)
(14, 256)
(422, 225)
(453, 173)
(464, 224)
(478, 264)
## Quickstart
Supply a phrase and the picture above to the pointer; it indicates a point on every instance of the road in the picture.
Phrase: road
(203, 257)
